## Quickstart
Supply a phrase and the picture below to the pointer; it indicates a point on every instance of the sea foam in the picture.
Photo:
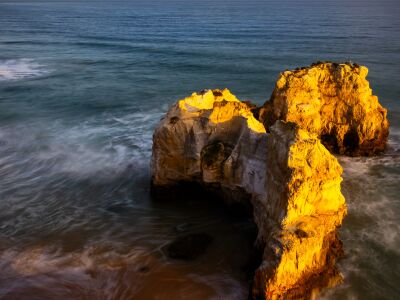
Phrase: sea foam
(14, 69)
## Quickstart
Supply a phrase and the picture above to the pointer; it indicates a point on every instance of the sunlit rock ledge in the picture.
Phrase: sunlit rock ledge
(279, 168)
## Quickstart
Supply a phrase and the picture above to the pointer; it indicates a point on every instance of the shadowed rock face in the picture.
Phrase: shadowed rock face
(333, 101)
(287, 176)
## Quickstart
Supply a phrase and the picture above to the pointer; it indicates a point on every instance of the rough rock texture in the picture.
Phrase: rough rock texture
(335, 102)
(287, 176)
(213, 139)
(299, 216)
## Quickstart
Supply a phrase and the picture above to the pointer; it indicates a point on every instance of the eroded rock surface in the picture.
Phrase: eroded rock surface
(213, 139)
(333, 101)
(298, 217)
(287, 176)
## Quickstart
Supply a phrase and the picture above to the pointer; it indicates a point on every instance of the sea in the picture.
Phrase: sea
(83, 85)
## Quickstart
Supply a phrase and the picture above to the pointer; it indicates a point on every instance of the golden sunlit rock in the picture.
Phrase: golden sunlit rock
(335, 102)
(213, 139)
(222, 106)
(298, 217)
(206, 99)
(287, 176)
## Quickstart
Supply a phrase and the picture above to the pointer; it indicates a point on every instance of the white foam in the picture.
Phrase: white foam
(14, 69)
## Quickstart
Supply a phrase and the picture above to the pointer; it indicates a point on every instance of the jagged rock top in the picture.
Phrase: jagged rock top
(223, 106)
(205, 99)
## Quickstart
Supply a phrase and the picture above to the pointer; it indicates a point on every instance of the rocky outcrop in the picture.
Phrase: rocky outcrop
(298, 217)
(287, 176)
(333, 101)
(213, 139)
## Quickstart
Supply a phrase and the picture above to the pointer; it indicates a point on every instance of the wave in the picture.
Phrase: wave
(371, 188)
(15, 69)
(55, 166)
(101, 144)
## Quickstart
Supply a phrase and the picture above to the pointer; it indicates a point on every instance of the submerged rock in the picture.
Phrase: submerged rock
(333, 101)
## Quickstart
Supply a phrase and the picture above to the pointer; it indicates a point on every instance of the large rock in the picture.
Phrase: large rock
(333, 101)
(287, 176)
(299, 216)
(213, 139)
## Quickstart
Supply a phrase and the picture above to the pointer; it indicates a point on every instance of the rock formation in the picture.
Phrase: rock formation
(287, 176)
(213, 139)
(278, 166)
(333, 101)
(298, 217)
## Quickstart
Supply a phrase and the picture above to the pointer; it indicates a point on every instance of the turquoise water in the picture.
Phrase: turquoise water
(82, 85)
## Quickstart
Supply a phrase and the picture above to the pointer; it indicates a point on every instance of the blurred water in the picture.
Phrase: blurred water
(82, 85)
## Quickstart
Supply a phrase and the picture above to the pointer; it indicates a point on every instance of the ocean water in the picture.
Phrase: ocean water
(82, 86)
